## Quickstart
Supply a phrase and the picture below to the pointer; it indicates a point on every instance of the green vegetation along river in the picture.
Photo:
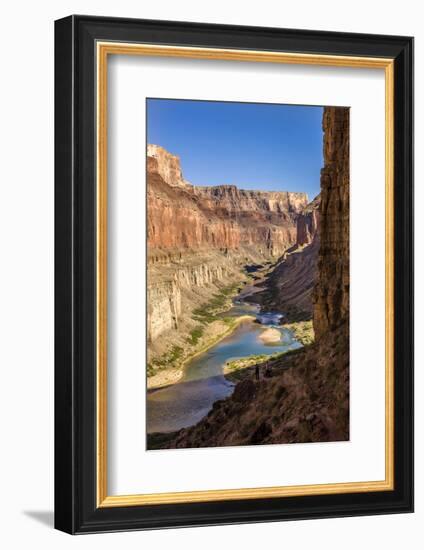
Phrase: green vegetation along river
(185, 403)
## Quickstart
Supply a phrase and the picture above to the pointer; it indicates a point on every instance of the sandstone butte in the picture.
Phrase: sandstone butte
(201, 238)
(305, 398)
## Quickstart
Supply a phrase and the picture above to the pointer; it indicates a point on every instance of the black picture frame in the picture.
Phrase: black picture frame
(75, 275)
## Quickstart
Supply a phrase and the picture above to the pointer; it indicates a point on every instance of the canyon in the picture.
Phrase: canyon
(200, 240)
(289, 285)
(302, 395)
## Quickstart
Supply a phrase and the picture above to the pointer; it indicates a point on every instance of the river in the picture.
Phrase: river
(188, 401)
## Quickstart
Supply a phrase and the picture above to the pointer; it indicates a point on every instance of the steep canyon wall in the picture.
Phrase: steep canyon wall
(289, 286)
(331, 295)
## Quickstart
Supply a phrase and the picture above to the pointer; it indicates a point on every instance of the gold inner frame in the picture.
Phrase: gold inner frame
(103, 50)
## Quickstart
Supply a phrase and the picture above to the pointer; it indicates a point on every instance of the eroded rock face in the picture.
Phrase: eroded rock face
(308, 223)
(171, 283)
(167, 166)
(232, 200)
(163, 308)
(332, 290)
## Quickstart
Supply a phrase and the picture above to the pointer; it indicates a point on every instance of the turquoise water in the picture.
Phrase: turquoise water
(185, 403)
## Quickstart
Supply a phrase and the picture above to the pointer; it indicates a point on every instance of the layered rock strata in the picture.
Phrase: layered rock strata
(178, 286)
(183, 216)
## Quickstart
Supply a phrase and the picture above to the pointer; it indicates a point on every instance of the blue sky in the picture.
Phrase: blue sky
(251, 145)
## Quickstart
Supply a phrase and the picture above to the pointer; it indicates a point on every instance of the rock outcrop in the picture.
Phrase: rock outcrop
(163, 308)
(305, 396)
(179, 285)
(332, 290)
(167, 166)
(308, 223)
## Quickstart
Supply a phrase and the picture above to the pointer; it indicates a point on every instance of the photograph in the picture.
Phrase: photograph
(208, 275)
(247, 224)
(234, 268)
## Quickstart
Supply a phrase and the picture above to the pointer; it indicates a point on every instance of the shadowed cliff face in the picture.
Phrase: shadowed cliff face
(332, 290)
(306, 397)
(200, 238)
(308, 223)
(290, 284)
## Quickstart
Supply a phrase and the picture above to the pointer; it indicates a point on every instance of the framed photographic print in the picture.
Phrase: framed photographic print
(233, 274)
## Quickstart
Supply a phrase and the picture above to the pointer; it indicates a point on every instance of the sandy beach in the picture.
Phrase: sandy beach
(166, 377)
(270, 335)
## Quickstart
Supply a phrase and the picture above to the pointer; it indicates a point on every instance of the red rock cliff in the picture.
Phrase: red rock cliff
(182, 216)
